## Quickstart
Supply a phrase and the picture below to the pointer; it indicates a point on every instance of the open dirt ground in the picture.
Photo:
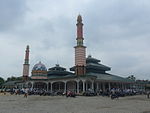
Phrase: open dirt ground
(80, 104)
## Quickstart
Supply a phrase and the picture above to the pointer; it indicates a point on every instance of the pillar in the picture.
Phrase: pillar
(78, 87)
(103, 86)
(47, 86)
(100, 86)
(86, 83)
(32, 85)
(51, 86)
(124, 86)
(83, 86)
(109, 86)
(97, 86)
(65, 87)
(92, 85)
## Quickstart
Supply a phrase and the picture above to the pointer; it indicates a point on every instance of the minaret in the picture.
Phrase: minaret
(80, 50)
(26, 65)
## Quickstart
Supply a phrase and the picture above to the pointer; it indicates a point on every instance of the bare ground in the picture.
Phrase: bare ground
(80, 104)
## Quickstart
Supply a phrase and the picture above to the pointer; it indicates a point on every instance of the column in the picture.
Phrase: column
(86, 83)
(125, 86)
(32, 85)
(93, 85)
(83, 86)
(77, 87)
(47, 86)
(51, 86)
(65, 87)
(22, 85)
(118, 85)
(97, 86)
(103, 86)
(122, 86)
(131, 86)
(109, 86)
(100, 86)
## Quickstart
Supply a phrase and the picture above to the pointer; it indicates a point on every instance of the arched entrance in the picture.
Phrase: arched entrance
(72, 86)
(80, 86)
(58, 86)
(40, 85)
(29, 85)
(89, 85)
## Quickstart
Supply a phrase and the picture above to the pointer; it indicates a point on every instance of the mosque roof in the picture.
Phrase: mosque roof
(58, 71)
(39, 67)
(110, 77)
(91, 59)
(11, 83)
(92, 64)
(57, 68)
(97, 66)
(60, 77)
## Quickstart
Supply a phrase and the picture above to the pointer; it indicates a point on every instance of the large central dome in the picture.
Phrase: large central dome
(39, 71)
(39, 67)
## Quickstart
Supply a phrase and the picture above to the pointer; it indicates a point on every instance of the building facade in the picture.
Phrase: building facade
(87, 73)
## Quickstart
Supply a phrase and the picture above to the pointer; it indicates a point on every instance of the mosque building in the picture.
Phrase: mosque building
(86, 73)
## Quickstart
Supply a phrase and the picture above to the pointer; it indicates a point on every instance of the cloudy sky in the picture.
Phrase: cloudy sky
(116, 31)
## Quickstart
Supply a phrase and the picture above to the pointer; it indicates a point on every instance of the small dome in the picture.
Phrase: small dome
(39, 67)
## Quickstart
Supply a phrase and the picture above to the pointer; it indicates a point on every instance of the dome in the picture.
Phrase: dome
(39, 67)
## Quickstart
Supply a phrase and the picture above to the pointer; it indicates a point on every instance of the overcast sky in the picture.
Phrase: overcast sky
(116, 31)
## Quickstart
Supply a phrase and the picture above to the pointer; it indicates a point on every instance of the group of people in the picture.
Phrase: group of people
(113, 93)
(20, 91)
(117, 92)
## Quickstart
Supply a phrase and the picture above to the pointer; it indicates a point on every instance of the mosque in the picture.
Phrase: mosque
(86, 73)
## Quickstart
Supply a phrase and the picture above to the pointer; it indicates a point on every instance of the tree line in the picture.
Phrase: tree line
(12, 78)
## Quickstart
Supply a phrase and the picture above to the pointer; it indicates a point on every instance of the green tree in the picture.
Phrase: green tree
(12, 78)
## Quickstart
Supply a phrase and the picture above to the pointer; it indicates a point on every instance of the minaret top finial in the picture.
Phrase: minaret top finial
(27, 46)
(79, 18)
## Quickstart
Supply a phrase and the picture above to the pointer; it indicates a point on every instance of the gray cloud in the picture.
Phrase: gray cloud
(116, 32)
(11, 13)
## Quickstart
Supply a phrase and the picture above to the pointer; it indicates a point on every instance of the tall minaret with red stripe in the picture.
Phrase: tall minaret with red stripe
(80, 50)
(26, 65)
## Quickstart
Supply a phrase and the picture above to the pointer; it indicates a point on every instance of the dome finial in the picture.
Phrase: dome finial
(27, 46)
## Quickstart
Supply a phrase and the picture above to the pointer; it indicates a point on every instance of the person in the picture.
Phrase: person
(68, 93)
(25, 92)
(5, 91)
